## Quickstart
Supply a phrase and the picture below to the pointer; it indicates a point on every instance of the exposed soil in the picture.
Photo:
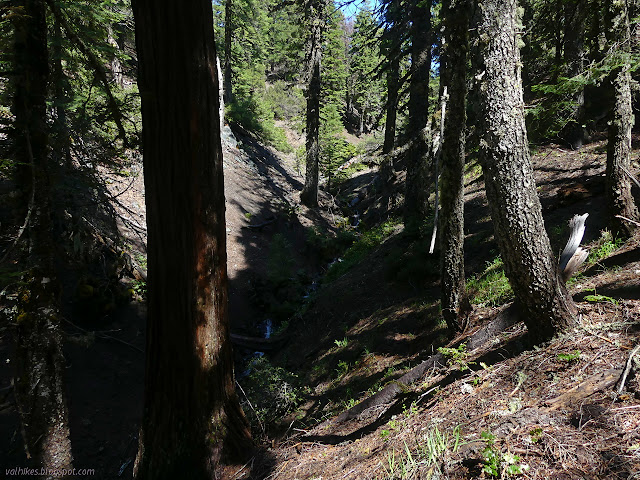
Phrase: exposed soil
(366, 328)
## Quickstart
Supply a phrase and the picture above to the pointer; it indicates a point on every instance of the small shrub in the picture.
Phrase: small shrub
(569, 357)
(329, 246)
(600, 299)
(343, 368)
(497, 464)
(438, 444)
(457, 356)
(271, 392)
(604, 247)
(139, 288)
(411, 265)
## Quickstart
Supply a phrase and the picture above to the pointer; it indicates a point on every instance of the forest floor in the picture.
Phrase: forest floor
(549, 411)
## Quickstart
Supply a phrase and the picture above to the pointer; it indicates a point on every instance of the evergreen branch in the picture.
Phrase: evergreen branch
(95, 64)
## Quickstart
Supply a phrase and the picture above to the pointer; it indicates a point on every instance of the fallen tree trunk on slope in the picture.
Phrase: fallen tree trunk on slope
(505, 319)
(259, 343)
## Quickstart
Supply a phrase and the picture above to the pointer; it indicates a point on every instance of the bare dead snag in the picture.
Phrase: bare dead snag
(573, 255)
(443, 107)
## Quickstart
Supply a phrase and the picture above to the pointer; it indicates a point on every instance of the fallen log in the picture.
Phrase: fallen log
(259, 343)
(588, 387)
(392, 390)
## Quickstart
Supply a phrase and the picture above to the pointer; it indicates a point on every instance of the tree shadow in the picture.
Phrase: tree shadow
(363, 427)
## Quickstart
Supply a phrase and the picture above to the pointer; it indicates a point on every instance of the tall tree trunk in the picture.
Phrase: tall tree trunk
(575, 20)
(393, 86)
(228, 36)
(116, 65)
(40, 366)
(453, 76)
(416, 195)
(314, 11)
(619, 198)
(559, 40)
(62, 141)
(545, 304)
(192, 418)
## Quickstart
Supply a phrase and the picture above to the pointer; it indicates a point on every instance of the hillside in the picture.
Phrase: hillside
(549, 412)
(355, 327)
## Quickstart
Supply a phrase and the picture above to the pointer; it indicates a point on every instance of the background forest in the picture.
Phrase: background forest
(401, 177)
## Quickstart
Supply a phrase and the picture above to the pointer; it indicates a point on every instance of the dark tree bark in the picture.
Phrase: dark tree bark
(545, 305)
(574, 32)
(192, 420)
(592, 38)
(314, 11)
(453, 65)
(619, 198)
(228, 36)
(559, 39)
(62, 143)
(416, 196)
(40, 365)
(393, 87)
(392, 41)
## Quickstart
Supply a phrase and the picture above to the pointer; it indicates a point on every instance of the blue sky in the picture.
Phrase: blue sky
(351, 7)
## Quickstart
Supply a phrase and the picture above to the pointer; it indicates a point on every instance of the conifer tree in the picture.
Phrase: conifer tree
(574, 58)
(192, 419)
(314, 19)
(334, 150)
(545, 304)
(453, 77)
(367, 91)
(415, 208)
(620, 202)
(39, 389)
(391, 46)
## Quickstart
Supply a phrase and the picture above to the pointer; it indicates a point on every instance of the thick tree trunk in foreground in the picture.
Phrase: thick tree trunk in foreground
(192, 419)
(416, 195)
(453, 76)
(619, 198)
(39, 361)
(545, 304)
(314, 11)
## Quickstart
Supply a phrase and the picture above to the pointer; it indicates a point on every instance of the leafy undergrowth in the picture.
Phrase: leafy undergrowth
(506, 410)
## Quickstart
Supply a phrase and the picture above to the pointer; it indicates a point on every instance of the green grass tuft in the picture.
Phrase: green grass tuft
(491, 287)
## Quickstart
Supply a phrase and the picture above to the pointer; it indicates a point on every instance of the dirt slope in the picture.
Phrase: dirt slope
(104, 348)
(554, 406)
